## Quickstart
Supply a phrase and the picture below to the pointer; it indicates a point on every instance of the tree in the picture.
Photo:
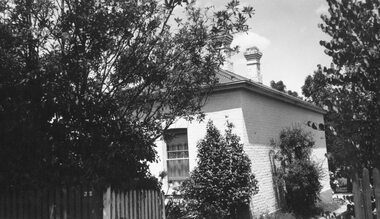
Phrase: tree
(298, 173)
(280, 86)
(222, 183)
(87, 86)
(350, 88)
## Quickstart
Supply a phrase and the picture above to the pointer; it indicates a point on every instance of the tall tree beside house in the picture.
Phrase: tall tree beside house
(86, 86)
(222, 183)
(350, 88)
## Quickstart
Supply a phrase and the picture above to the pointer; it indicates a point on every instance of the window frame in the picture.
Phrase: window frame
(169, 134)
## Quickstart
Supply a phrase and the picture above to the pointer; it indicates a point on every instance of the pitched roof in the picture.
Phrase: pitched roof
(228, 76)
(229, 80)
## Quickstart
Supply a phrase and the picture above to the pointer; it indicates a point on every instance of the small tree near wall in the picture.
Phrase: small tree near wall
(222, 183)
(298, 173)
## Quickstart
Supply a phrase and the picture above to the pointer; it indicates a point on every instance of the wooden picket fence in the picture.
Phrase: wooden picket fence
(82, 203)
(364, 194)
(139, 204)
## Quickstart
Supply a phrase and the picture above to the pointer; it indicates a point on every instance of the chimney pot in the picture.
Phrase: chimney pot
(253, 56)
(226, 40)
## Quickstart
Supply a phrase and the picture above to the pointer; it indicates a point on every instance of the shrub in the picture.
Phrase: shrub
(175, 209)
(222, 183)
(302, 186)
(298, 174)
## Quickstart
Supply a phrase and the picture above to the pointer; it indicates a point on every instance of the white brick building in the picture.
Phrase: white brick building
(258, 113)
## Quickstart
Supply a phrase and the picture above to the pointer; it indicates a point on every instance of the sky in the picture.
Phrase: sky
(287, 33)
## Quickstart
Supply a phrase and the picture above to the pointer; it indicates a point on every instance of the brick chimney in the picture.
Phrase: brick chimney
(253, 56)
(226, 40)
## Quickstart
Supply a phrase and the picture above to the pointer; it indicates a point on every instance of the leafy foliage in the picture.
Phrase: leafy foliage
(298, 174)
(302, 186)
(87, 86)
(222, 183)
(350, 88)
(175, 209)
(280, 86)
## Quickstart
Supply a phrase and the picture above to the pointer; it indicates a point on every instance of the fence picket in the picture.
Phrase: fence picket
(107, 204)
(52, 205)
(96, 205)
(70, 203)
(38, 205)
(132, 195)
(87, 203)
(147, 207)
(126, 216)
(14, 204)
(118, 203)
(138, 204)
(32, 204)
(163, 206)
(122, 204)
(9, 205)
(113, 206)
(151, 213)
(32, 201)
(132, 207)
(84, 192)
(142, 206)
(20, 207)
(135, 204)
(153, 204)
(6, 204)
(376, 182)
(129, 207)
(44, 204)
(57, 202)
(65, 201)
(366, 194)
(2, 205)
(126, 196)
(29, 206)
(158, 200)
(359, 213)
(78, 203)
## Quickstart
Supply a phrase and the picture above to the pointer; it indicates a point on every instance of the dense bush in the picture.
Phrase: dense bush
(302, 186)
(176, 209)
(222, 183)
(298, 173)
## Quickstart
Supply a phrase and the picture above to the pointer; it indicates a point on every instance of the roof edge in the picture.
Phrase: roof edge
(266, 91)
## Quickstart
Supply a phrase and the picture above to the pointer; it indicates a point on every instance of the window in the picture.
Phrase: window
(177, 154)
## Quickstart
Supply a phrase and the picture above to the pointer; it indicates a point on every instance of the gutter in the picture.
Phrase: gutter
(269, 92)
